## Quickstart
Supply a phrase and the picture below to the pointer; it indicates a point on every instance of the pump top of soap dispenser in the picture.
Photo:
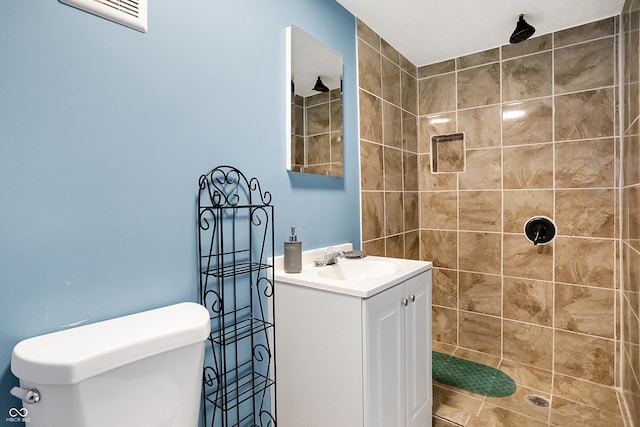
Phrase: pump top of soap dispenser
(293, 237)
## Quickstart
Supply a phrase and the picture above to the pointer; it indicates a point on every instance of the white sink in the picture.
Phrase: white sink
(362, 278)
(358, 269)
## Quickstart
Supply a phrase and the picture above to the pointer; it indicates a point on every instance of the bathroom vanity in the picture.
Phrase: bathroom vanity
(353, 346)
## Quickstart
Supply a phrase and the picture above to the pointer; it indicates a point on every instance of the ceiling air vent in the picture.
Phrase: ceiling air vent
(131, 13)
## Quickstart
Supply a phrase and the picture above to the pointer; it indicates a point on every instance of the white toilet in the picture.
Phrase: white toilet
(142, 370)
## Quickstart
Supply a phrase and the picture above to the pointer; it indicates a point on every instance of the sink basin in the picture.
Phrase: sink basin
(361, 269)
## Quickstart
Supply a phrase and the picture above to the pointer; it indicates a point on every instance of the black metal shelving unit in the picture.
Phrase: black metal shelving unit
(235, 242)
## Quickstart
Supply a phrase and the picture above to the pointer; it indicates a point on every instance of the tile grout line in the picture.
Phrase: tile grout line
(555, 220)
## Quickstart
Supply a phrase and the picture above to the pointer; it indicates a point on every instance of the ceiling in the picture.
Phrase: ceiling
(429, 31)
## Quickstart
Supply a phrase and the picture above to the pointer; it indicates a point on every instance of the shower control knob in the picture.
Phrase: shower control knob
(540, 230)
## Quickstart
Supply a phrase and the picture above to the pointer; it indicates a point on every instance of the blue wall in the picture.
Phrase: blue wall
(104, 132)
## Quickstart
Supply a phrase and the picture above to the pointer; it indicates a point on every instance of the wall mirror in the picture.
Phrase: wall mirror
(314, 106)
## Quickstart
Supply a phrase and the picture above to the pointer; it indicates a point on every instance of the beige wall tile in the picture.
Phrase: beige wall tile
(434, 125)
(584, 115)
(529, 166)
(430, 181)
(437, 68)
(410, 171)
(394, 213)
(412, 245)
(481, 126)
(370, 117)
(367, 34)
(444, 327)
(631, 159)
(584, 356)
(394, 246)
(521, 205)
(523, 259)
(371, 165)
(408, 67)
(476, 356)
(372, 215)
(392, 125)
(439, 210)
(585, 164)
(318, 119)
(478, 86)
(527, 77)
(584, 261)
(631, 220)
(336, 116)
(527, 375)
(409, 84)
(528, 301)
(482, 171)
(337, 147)
(529, 344)
(437, 94)
(584, 309)
(480, 333)
(391, 82)
(369, 68)
(409, 132)
(373, 247)
(527, 122)
(439, 247)
(479, 58)
(480, 252)
(588, 212)
(389, 51)
(631, 271)
(480, 210)
(527, 47)
(566, 412)
(393, 175)
(589, 31)
(479, 293)
(584, 66)
(445, 287)
(586, 392)
(319, 149)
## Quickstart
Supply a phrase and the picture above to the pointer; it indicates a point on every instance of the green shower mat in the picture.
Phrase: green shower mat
(471, 376)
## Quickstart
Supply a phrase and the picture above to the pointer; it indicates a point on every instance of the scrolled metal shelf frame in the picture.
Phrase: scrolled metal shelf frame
(235, 240)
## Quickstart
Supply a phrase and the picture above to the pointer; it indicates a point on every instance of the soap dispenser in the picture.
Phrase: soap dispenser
(293, 253)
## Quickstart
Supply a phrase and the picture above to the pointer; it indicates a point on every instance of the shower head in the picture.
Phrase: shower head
(522, 32)
(320, 87)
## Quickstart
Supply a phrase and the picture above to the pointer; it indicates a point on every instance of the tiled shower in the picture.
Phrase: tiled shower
(541, 128)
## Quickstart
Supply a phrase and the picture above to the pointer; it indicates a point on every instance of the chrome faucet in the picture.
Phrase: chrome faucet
(329, 257)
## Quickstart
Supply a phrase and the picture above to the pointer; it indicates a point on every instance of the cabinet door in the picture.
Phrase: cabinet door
(418, 354)
(384, 332)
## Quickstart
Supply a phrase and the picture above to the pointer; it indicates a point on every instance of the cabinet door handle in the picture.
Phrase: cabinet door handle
(412, 298)
(405, 302)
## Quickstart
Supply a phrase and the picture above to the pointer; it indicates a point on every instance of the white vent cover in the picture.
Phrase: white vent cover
(131, 13)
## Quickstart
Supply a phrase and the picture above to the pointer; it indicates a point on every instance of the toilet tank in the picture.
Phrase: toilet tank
(141, 370)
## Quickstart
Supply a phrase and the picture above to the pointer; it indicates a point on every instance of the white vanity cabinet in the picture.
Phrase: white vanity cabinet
(348, 361)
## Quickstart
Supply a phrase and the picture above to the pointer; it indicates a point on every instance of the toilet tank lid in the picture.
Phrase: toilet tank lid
(73, 355)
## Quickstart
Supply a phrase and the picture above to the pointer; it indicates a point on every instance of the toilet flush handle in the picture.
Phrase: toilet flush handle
(30, 395)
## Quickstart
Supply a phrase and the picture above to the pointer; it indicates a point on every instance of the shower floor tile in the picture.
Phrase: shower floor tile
(454, 407)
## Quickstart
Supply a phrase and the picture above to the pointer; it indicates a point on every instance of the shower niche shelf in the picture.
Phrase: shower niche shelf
(235, 241)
